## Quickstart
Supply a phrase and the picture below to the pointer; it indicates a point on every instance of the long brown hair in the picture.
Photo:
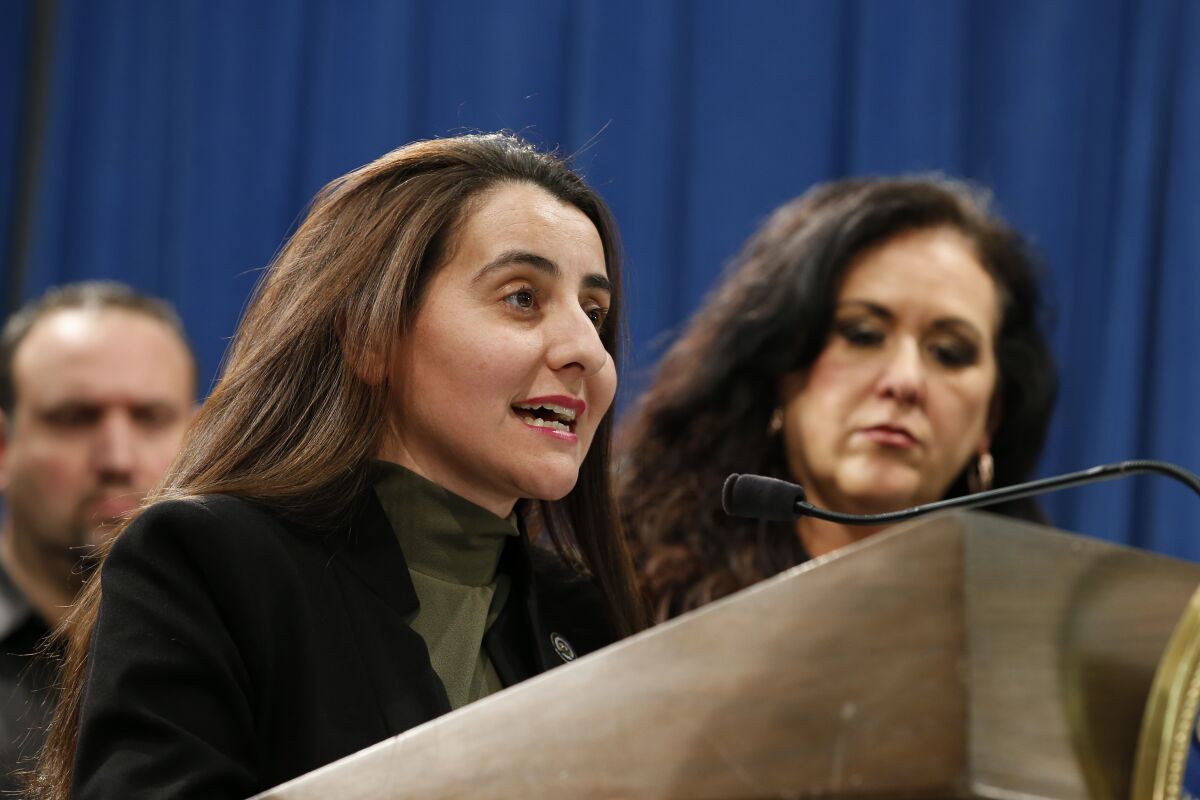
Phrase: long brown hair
(293, 425)
(707, 413)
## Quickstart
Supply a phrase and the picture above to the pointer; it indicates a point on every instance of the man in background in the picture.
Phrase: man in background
(97, 384)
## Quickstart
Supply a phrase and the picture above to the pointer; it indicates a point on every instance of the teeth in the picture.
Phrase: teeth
(553, 424)
(563, 413)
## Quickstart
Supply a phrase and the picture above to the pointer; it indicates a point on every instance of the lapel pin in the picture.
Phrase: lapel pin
(562, 647)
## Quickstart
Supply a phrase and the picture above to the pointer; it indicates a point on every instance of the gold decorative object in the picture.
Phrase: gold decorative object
(1169, 724)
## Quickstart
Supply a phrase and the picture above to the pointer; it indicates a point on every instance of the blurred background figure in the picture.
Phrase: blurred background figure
(96, 387)
(878, 342)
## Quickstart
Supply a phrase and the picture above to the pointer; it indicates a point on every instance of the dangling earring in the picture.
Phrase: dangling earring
(980, 479)
(776, 423)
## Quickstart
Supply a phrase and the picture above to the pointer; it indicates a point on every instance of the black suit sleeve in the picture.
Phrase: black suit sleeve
(168, 703)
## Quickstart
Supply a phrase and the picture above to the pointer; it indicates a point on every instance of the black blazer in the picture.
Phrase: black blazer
(235, 651)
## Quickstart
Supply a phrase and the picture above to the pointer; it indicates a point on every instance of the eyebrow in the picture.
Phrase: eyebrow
(593, 280)
(874, 308)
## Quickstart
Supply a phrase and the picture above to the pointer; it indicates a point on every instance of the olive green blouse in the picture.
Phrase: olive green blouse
(453, 549)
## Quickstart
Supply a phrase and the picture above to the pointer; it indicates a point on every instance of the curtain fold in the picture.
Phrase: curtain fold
(183, 140)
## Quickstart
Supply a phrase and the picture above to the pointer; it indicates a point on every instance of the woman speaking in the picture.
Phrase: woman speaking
(421, 385)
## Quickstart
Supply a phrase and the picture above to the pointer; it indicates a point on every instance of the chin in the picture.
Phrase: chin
(885, 504)
(549, 487)
(878, 495)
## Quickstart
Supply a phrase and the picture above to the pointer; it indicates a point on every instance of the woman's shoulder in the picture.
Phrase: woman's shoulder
(209, 524)
(211, 505)
(217, 511)
(231, 548)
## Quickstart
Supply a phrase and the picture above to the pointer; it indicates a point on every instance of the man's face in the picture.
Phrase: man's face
(101, 402)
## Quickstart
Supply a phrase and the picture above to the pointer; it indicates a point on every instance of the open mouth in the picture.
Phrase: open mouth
(547, 415)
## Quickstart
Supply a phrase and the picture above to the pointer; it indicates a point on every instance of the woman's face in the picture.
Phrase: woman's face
(898, 401)
(501, 381)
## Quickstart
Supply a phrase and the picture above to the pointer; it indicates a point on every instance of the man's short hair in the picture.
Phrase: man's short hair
(88, 296)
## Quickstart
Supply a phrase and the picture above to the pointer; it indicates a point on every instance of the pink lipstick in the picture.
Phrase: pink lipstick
(552, 415)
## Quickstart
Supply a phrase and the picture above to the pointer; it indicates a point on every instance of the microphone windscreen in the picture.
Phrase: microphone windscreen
(759, 497)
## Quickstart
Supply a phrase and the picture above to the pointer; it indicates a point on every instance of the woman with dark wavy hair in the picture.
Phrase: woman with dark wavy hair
(876, 341)
(342, 551)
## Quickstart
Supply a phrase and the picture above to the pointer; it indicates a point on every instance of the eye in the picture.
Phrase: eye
(859, 333)
(73, 416)
(524, 298)
(954, 353)
(597, 314)
(153, 417)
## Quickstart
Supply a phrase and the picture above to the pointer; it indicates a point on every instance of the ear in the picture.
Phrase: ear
(367, 362)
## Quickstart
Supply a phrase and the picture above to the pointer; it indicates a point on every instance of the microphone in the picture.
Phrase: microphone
(773, 500)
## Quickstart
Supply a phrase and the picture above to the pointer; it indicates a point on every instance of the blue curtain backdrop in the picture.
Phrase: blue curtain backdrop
(179, 140)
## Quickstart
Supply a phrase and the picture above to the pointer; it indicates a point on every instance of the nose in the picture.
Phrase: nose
(574, 343)
(114, 451)
(902, 377)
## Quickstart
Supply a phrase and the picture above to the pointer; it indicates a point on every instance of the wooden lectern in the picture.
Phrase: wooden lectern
(965, 655)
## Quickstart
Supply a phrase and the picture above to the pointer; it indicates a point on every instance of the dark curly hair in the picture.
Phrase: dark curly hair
(707, 412)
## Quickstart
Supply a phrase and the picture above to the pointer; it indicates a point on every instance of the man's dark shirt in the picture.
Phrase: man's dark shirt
(25, 700)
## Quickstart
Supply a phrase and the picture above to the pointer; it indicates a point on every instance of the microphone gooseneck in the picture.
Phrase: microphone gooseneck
(760, 497)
